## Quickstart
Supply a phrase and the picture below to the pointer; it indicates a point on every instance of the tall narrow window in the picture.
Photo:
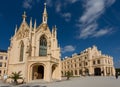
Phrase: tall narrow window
(1, 57)
(21, 52)
(43, 46)
(98, 61)
(0, 64)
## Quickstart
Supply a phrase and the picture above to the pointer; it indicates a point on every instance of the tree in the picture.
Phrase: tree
(68, 74)
(15, 76)
(117, 70)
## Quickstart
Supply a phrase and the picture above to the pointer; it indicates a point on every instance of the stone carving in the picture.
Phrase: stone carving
(22, 34)
(29, 49)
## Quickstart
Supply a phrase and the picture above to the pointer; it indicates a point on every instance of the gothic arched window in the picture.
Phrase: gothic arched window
(21, 51)
(43, 46)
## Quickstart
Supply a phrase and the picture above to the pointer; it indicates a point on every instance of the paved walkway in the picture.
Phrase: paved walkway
(76, 82)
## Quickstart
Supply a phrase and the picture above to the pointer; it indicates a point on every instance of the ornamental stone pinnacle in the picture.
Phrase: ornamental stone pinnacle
(24, 16)
(45, 16)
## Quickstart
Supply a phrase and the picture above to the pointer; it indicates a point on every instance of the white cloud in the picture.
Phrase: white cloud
(58, 6)
(49, 2)
(88, 31)
(27, 4)
(109, 2)
(93, 11)
(65, 2)
(102, 32)
(71, 1)
(68, 48)
(67, 16)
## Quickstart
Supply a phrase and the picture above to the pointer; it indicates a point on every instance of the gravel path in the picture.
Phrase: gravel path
(76, 82)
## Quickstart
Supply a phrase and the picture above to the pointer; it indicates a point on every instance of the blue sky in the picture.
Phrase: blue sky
(80, 23)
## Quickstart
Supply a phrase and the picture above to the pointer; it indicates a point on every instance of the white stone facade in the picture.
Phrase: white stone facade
(89, 62)
(34, 51)
(3, 64)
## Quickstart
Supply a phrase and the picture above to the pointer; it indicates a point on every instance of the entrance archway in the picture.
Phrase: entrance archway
(97, 71)
(80, 72)
(86, 72)
(38, 72)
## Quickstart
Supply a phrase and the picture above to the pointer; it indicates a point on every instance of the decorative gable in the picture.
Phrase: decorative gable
(23, 31)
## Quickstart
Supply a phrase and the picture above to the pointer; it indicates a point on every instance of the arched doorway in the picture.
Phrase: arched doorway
(80, 72)
(97, 71)
(86, 72)
(38, 72)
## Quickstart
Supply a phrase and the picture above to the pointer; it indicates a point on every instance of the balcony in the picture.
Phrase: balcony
(43, 59)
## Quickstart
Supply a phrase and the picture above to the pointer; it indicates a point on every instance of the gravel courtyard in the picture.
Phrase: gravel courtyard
(75, 82)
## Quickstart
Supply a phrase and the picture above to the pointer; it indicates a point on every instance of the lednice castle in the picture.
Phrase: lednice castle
(35, 52)
(89, 62)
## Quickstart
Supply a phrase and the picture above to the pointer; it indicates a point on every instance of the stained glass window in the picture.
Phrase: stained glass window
(43, 46)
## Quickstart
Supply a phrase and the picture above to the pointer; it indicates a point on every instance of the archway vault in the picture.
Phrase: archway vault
(38, 71)
(97, 71)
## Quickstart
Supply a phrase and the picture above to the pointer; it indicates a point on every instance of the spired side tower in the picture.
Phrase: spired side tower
(35, 51)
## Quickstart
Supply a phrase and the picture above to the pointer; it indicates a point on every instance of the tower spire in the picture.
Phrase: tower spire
(35, 25)
(24, 16)
(16, 29)
(45, 16)
(31, 23)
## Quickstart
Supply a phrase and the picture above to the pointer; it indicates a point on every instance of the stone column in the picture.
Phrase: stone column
(30, 73)
(26, 67)
(104, 69)
(59, 70)
(110, 71)
(91, 68)
(113, 70)
(77, 72)
(73, 72)
(48, 72)
(91, 72)
(83, 71)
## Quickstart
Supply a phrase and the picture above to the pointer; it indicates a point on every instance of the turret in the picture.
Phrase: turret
(54, 32)
(31, 24)
(24, 16)
(30, 33)
(34, 38)
(35, 26)
(15, 29)
(45, 15)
